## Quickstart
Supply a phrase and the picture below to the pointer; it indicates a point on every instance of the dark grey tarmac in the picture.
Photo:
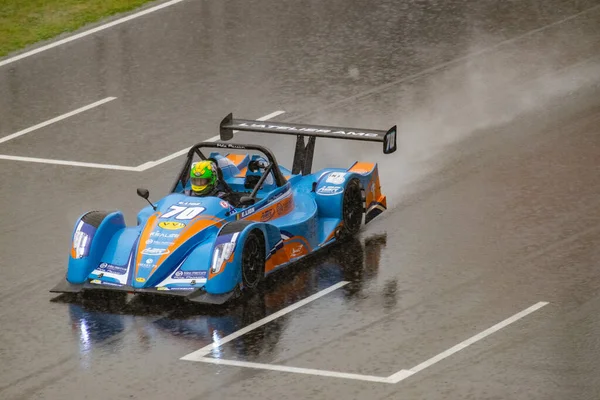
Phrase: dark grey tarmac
(494, 199)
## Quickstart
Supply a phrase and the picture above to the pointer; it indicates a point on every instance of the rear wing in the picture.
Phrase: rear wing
(304, 153)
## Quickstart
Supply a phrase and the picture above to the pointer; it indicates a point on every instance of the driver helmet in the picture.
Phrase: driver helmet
(203, 176)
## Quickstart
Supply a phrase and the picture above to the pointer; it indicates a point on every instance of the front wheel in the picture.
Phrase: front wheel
(253, 259)
(352, 208)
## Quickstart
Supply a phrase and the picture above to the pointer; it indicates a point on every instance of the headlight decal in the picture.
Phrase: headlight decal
(82, 239)
(222, 252)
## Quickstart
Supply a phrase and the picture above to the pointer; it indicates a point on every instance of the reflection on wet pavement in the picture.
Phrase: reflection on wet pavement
(101, 319)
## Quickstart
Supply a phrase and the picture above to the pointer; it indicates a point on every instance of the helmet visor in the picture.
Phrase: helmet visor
(200, 181)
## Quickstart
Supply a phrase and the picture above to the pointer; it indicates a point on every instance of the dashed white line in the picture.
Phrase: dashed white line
(151, 164)
(198, 354)
(89, 32)
(56, 119)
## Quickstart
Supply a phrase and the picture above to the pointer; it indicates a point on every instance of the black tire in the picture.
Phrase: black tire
(352, 208)
(253, 259)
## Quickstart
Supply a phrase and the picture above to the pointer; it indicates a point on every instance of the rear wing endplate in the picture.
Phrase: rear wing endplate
(304, 152)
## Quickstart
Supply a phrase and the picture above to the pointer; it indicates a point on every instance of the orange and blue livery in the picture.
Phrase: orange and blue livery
(211, 249)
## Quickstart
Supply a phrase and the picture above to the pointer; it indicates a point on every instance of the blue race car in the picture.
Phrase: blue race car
(209, 250)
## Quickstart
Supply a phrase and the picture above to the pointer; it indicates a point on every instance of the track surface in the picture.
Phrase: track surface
(494, 195)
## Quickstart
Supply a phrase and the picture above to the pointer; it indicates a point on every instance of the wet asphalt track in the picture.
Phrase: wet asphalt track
(494, 195)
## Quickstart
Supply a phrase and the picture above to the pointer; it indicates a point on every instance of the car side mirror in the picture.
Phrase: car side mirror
(247, 200)
(145, 194)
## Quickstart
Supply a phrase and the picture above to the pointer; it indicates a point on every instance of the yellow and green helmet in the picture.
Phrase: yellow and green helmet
(203, 176)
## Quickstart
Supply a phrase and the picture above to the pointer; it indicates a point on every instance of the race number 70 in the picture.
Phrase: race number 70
(183, 213)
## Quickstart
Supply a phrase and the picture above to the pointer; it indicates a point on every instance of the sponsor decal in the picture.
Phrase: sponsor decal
(267, 215)
(247, 212)
(337, 178)
(155, 252)
(157, 242)
(352, 133)
(110, 283)
(189, 274)
(171, 225)
(99, 282)
(330, 190)
(188, 203)
(149, 261)
(297, 251)
(162, 288)
(278, 195)
(230, 146)
(304, 129)
(141, 280)
(164, 235)
(181, 288)
(114, 269)
(224, 204)
(142, 265)
(373, 191)
(285, 128)
(287, 205)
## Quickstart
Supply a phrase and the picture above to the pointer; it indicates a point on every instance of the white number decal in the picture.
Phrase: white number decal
(174, 210)
(184, 212)
(336, 178)
(391, 141)
(190, 212)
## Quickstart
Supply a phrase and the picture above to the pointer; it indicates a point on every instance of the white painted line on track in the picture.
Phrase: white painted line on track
(89, 32)
(65, 162)
(151, 164)
(53, 120)
(403, 374)
(198, 354)
(139, 168)
(283, 368)
(265, 118)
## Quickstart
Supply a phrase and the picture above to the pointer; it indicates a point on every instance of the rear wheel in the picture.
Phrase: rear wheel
(352, 208)
(253, 259)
